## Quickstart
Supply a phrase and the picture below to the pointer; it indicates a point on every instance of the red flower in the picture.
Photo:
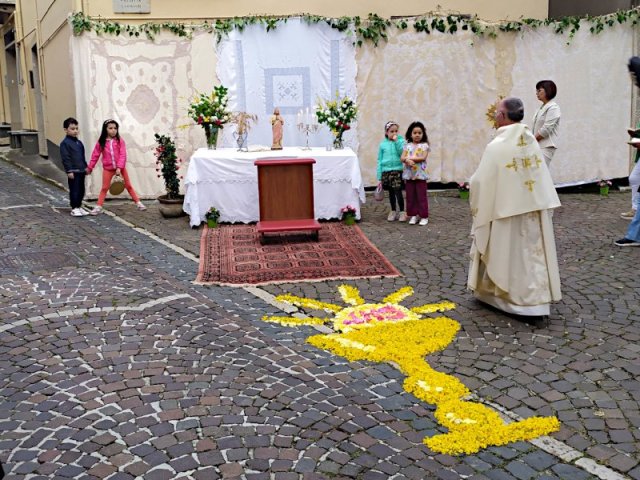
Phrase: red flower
(200, 120)
(346, 127)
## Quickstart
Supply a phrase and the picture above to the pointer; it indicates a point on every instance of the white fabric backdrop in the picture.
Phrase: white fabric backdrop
(447, 81)
(290, 68)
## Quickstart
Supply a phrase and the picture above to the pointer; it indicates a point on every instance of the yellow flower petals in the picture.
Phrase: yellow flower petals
(350, 295)
(398, 296)
(294, 321)
(308, 303)
(389, 332)
(434, 307)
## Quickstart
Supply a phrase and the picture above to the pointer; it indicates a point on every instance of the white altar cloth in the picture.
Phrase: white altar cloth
(228, 180)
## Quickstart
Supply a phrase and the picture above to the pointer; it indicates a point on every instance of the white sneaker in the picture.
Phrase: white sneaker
(75, 212)
(97, 210)
(424, 221)
(402, 217)
(83, 211)
(140, 206)
(392, 216)
(413, 220)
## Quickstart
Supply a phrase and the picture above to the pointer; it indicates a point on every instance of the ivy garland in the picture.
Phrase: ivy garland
(371, 29)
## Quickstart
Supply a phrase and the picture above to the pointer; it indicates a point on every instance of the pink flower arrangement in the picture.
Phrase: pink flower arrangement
(348, 211)
(604, 183)
(463, 186)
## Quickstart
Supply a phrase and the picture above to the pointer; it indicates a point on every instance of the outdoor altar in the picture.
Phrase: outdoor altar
(227, 179)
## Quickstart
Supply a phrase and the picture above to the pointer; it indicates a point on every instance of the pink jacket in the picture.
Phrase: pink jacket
(114, 155)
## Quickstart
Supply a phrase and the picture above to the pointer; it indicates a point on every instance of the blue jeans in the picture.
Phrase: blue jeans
(633, 232)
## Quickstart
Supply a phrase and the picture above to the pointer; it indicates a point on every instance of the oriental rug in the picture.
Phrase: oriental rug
(233, 255)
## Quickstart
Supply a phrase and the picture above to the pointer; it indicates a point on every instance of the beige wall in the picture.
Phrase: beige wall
(60, 95)
(485, 9)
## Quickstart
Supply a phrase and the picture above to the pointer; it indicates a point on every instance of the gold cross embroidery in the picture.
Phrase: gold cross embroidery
(526, 162)
(513, 165)
(529, 184)
(538, 161)
(522, 142)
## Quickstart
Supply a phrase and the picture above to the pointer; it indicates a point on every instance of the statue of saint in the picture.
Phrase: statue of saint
(277, 122)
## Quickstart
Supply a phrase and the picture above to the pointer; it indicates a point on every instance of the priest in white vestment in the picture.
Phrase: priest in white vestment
(514, 266)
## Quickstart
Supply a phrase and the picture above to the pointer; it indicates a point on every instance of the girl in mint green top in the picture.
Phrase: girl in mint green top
(390, 170)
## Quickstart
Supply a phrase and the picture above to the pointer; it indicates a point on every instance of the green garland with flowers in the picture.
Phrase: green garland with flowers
(371, 29)
(338, 115)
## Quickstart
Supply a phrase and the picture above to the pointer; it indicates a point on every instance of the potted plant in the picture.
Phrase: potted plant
(604, 187)
(337, 115)
(463, 190)
(212, 216)
(167, 165)
(210, 111)
(242, 121)
(348, 215)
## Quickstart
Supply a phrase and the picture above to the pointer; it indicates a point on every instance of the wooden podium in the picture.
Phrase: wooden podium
(285, 192)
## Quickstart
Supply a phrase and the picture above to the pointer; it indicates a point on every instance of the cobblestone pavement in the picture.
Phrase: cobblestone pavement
(113, 364)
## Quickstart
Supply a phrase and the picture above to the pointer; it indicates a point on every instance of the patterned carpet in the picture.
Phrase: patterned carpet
(233, 255)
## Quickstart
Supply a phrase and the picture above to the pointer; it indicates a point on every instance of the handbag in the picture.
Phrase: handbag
(378, 194)
(117, 185)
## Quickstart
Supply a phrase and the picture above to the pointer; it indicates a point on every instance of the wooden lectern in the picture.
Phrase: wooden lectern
(285, 192)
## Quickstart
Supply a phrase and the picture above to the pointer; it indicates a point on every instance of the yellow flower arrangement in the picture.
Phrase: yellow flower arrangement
(389, 332)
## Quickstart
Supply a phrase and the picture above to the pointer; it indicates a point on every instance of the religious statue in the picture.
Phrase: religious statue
(277, 123)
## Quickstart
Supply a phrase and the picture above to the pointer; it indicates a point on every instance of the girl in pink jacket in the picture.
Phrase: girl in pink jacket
(114, 161)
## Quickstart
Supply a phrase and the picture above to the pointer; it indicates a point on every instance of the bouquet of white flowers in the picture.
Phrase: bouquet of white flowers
(337, 115)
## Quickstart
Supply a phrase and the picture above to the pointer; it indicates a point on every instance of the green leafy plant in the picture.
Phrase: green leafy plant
(167, 165)
(213, 214)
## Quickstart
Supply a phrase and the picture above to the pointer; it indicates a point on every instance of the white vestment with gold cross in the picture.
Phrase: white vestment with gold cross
(514, 265)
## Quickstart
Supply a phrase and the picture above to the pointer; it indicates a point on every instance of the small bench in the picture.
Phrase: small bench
(278, 226)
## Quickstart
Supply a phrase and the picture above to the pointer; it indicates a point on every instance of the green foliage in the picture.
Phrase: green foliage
(168, 164)
(372, 29)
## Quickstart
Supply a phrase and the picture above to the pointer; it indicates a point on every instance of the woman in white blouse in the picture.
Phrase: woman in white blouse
(546, 121)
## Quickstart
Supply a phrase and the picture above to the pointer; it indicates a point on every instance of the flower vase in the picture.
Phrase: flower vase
(212, 223)
(464, 194)
(211, 133)
(349, 220)
(337, 141)
(241, 141)
(604, 191)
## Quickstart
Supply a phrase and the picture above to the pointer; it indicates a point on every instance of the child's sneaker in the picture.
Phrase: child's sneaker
(424, 221)
(413, 220)
(402, 217)
(97, 210)
(392, 216)
(140, 206)
(75, 212)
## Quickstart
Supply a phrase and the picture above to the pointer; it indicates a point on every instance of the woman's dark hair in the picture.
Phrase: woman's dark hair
(103, 134)
(413, 125)
(634, 67)
(550, 89)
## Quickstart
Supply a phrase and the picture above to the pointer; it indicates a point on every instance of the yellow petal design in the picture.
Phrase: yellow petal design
(398, 296)
(388, 332)
(350, 295)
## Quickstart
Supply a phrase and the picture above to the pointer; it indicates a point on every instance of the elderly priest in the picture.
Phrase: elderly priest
(513, 265)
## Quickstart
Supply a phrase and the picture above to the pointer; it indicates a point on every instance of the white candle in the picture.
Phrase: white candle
(307, 117)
